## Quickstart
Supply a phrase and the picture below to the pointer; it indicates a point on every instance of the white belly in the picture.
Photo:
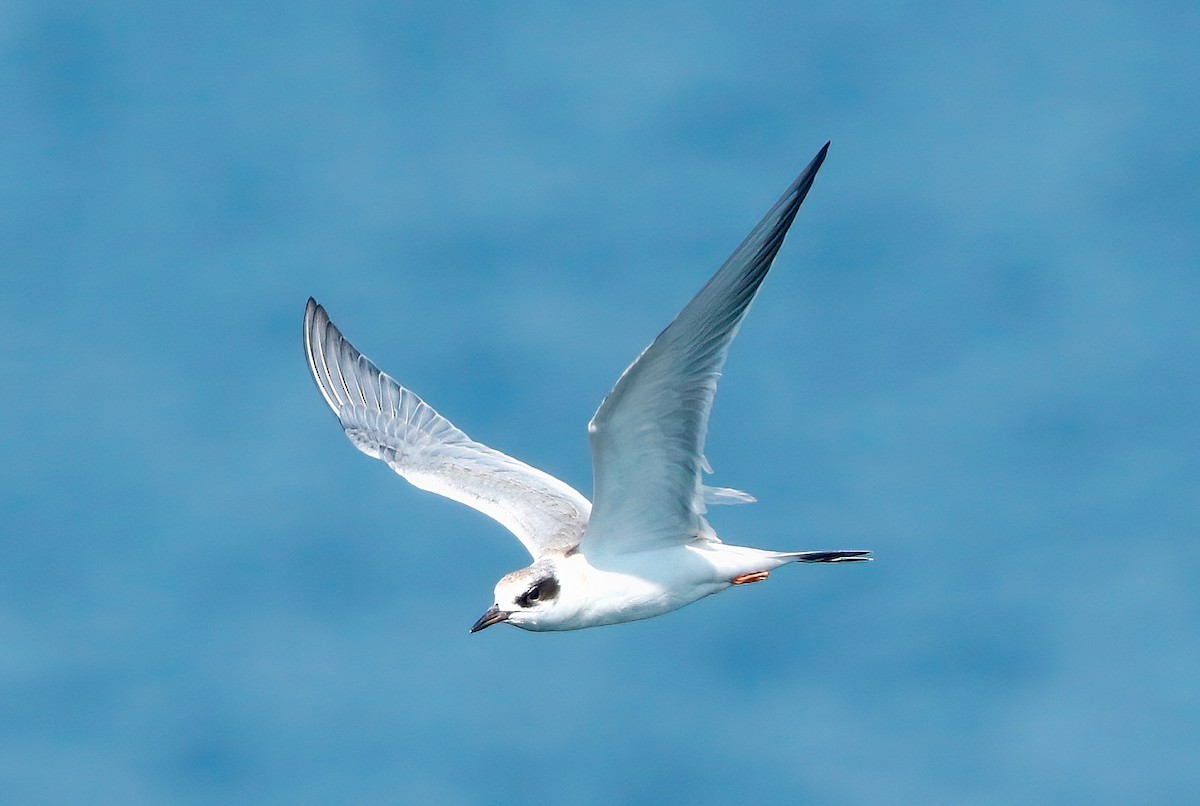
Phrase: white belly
(647, 584)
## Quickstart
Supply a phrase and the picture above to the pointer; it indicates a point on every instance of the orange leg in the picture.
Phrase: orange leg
(744, 579)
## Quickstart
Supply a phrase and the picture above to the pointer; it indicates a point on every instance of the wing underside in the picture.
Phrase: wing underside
(391, 423)
(648, 435)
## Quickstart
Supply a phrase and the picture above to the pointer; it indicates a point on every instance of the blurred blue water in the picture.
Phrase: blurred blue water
(977, 356)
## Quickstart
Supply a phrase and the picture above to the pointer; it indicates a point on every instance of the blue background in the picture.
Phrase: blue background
(977, 355)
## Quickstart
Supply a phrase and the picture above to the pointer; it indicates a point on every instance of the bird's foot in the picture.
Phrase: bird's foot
(745, 579)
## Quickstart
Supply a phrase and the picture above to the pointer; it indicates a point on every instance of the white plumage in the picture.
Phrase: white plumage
(643, 546)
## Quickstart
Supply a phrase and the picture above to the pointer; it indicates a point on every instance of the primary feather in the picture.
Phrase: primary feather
(389, 422)
(648, 434)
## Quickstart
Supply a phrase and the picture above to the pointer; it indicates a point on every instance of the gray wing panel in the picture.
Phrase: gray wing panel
(389, 422)
(648, 435)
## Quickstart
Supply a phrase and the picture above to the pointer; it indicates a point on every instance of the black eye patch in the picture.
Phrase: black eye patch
(542, 591)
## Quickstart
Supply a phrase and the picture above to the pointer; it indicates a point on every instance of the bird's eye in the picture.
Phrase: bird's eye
(546, 589)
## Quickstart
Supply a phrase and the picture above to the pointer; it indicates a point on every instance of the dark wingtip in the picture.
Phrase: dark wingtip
(818, 160)
(310, 316)
(800, 187)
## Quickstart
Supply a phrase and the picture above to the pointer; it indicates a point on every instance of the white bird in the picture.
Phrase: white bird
(643, 548)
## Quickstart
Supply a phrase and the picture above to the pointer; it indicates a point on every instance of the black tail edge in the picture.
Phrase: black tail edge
(832, 556)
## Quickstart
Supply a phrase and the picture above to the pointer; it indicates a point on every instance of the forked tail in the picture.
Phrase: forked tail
(828, 556)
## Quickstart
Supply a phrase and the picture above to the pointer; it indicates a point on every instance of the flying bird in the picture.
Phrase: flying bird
(642, 547)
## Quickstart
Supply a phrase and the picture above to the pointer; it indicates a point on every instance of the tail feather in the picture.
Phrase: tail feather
(829, 556)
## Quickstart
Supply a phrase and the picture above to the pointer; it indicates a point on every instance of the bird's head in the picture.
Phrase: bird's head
(532, 598)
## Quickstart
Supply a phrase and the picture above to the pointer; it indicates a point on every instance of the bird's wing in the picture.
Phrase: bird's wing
(388, 422)
(648, 435)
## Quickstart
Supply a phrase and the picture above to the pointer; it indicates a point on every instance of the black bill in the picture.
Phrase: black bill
(494, 615)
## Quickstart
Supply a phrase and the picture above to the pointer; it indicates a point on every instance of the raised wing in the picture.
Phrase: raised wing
(648, 435)
(388, 422)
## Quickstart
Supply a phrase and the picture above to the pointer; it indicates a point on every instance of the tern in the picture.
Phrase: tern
(642, 547)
